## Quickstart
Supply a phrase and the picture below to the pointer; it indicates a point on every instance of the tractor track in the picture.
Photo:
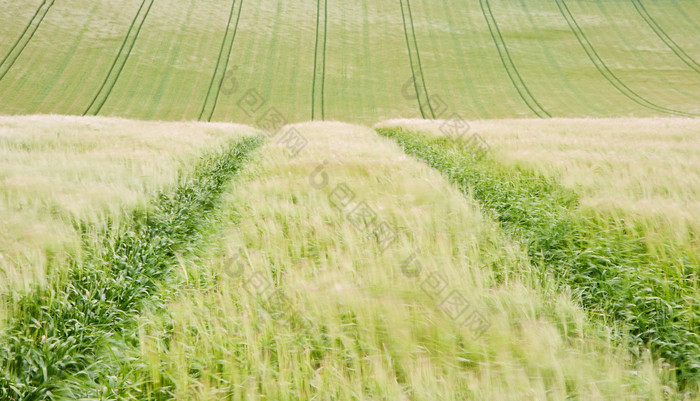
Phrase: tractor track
(119, 61)
(508, 63)
(422, 94)
(639, 6)
(26, 36)
(320, 57)
(605, 70)
(222, 63)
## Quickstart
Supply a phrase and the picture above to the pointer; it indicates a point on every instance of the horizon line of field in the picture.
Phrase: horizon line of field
(420, 86)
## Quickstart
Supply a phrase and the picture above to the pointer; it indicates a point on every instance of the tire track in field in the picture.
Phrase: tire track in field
(27, 34)
(553, 60)
(508, 63)
(605, 70)
(320, 61)
(217, 78)
(422, 94)
(120, 60)
(83, 319)
(664, 36)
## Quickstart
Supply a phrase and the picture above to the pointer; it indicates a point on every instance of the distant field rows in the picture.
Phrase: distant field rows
(361, 61)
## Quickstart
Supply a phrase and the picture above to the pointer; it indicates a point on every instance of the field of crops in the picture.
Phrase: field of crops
(368, 200)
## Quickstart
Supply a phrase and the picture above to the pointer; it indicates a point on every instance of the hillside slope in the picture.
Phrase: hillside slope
(358, 61)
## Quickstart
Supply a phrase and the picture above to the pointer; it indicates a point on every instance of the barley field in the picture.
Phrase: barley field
(363, 200)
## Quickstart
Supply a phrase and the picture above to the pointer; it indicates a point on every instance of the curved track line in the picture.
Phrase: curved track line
(422, 94)
(420, 64)
(664, 36)
(322, 70)
(219, 71)
(508, 63)
(554, 60)
(118, 63)
(605, 70)
(28, 34)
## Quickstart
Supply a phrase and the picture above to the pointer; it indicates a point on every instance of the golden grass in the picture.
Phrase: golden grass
(351, 324)
(57, 170)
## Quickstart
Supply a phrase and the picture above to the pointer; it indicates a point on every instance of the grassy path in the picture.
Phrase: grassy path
(25, 37)
(611, 271)
(217, 78)
(65, 340)
(340, 276)
(120, 60)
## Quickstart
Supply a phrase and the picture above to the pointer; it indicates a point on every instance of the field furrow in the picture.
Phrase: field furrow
(367, 55)
(271, 65)
(558, 77)
(465, 67)
(25, 37)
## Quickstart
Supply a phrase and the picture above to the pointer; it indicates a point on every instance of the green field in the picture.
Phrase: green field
(167, 59)
(369, 200)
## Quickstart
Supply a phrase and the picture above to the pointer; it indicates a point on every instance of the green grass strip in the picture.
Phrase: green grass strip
(64, 339)
(659, 31)
(27, 34)
(319, 80)
(603, 263)
(422, 94)
(217, 78)
(604, 70)
(119, 61)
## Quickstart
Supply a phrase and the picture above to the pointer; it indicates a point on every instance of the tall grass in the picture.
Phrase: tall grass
(608, 268)
(55, 170)
(306, 306)
(65, 340)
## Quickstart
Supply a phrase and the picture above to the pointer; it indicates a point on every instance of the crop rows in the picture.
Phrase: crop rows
(217, 78)
(318, 89)
(604, 70)
(422, 94)
(445, 54)
(25, 37)
(508, 63)
(659, 31)
(120, 60)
